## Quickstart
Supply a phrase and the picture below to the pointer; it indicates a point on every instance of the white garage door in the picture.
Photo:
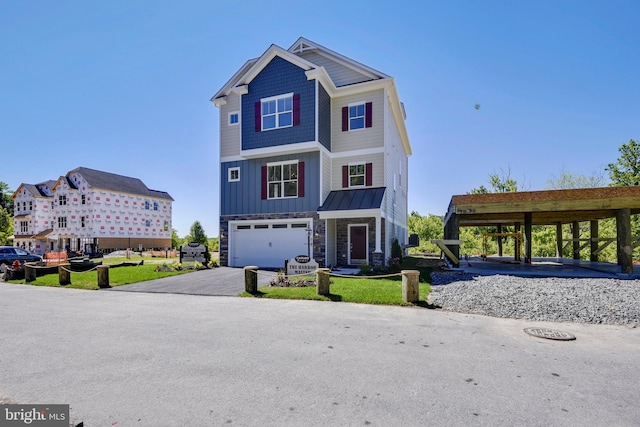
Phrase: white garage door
(266, 245)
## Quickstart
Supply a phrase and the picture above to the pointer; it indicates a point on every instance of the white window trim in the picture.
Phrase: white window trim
(231, 113)
(364, 175)
(364, 115)
(230, 179)
(286, 162)
(276, 98)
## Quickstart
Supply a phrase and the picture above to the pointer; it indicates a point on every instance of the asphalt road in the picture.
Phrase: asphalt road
(156, 359)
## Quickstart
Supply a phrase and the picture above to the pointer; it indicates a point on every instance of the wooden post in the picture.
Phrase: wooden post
(103, 276)
(251, 279)
(576, 239)
(593, 250)
(517, 242)
(452, 232)
(559, 240)
(625, 251)
(499, 230)
(64, 274)
(528, 246)
(410, 285)
(323, 281)
(29, 273)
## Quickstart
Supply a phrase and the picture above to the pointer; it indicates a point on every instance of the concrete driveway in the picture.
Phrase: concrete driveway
(221, 281)
(150, 359)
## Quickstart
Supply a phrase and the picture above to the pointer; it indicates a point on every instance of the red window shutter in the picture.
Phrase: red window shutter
(258, 116)
(345, 176)
(368, 114)
(264, 182)
(345, 119)
(300, 179)
(368, 174)
(296, 109)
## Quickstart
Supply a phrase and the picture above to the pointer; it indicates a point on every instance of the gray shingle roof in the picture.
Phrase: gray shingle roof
(119, 183)
(366, 198)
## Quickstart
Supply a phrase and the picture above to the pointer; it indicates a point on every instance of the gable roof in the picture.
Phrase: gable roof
(113, 182)
(31, 188)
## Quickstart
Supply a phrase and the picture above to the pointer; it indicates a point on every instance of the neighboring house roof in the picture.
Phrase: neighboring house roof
(343, 200)
(43, 233)
(34, 190)
(113, 182)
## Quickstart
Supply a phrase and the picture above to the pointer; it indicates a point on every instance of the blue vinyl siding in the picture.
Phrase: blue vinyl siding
(244, 197)
(324, 117)
(277, 78)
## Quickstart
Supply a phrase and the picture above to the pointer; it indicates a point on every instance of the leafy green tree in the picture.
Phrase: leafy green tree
(500, 184)
(427, 228)
(6, 226)
(6, 198)
(626, 170)
(176, 241)
(567, 180)
(214, 244)
(197, 234)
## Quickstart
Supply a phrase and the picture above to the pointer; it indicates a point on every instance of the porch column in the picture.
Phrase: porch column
(528, 219)
(452, 232)
(593, 252)
(516, 249)
(576, 240)
(623, 227)
(499, 230)
(559, 240)
(378, 234)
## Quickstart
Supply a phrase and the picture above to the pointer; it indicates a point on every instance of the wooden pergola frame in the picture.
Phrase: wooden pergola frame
(551, 207)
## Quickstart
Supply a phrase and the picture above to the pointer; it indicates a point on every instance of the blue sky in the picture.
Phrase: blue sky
(124, 87)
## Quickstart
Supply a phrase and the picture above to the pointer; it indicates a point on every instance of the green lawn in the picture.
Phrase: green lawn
(358, 289)
(117, 276)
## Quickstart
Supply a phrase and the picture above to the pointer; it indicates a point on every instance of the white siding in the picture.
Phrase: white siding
(361, 138)
(340, 74)
(326, 176)
(230, 135)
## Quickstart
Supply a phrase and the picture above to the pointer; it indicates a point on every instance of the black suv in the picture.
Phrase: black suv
(10, 254)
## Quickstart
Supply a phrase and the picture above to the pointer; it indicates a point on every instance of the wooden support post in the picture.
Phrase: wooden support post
(29, 273)
(528, 247)
(64, 274)
(452, 232)
(576, 239)
(625, 252)
(103, 276)
(593, 250)
(516, 248)
(499, 230)
(410, 286)
(323, 281)
(559, 240)
(251, 279)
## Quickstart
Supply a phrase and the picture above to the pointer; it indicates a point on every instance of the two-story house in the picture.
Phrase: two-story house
(313, 160)
(90, 210)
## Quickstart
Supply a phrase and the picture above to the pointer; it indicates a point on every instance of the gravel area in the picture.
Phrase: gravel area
(606, 301)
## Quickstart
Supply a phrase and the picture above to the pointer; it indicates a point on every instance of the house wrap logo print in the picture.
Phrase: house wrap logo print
(35, 415)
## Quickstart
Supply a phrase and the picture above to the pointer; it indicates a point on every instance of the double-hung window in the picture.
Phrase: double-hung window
(356, 116)
(277, 112)
(357, 175)
(283, 180)
(62, 222)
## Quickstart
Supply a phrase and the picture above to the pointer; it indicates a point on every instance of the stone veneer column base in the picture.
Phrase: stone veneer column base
(377, 259)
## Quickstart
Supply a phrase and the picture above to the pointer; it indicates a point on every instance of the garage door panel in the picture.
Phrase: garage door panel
(266, 247)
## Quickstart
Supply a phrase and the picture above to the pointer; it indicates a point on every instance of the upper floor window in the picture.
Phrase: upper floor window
(30, 205)
(147, 223)
(234, 174)
(24, 206)
(24, 226)
(357, 175)
(62, 222)
(155, 206)
(357, 116)
(166, 226)
(234, 118)
(146, 204)
(277, 112)
(82, 221)
(283, 180)
(83, 199)
(62, 200)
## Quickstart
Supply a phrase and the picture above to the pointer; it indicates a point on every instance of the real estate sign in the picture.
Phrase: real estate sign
(193, 252)
(300, 265)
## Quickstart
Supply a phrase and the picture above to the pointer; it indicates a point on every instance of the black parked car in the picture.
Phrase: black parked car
(10, 254)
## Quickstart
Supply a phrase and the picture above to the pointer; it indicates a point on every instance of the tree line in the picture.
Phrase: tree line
(625, 171)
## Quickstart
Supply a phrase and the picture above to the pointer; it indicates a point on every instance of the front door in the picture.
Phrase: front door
(358, 244)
